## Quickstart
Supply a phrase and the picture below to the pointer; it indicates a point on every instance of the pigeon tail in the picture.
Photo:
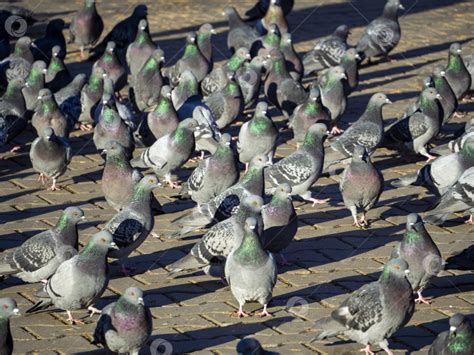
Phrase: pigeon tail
(330, 328)
(187, 263)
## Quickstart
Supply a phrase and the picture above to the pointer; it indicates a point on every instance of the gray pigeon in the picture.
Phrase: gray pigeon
(416, 131)
(39, 256)
(382, 34)
(349, 62)
(294, 65)
(203, 40)
(214, 174)
(333, 98)
(188, 86)
(307, 114)
(57, 75)
(8, 308)
(280, 222)
(91, 95)
(79, 281)
(258, 11)
(421, 253)
(271, 40)
(458, 198)
(48, 114)
(257, 136)
(468, 60)
(112, 66)
(170, 152)
(132, 225)
(86, 26)
(224, 205)
(461, 261)
(18, 63)
(221, 239)
(207, 134)
(34, 83)
(448, 100)
(302, 168)
(69, 99)
(374, 312)
(361, 185)
(12, 112)
(457, 74)
(50, 155)
(327, 52)
(251, 346)
(250, 271)
(240, 34)
(459, 339)
(140, 50)
(249, 78)
(125, 326)
(274, 15)
(444, 171)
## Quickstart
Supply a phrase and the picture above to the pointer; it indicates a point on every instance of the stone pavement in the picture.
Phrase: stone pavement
(329, 257)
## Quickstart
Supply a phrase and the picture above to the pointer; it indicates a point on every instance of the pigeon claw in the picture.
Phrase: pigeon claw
(85, 127)
(93, 310)
(336, 130)
(71, 319)
(239, 314)
(367, 350)
(315, 201)
(470, 220)
(422, 299)
(264, 313)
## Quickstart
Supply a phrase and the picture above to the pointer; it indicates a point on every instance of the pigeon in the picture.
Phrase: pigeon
(223, 205)
(169, 152)
(12, 112)
(54, 37)
(47, 114)
(8, 308)
(257, 136)
(250, 271)
(132, 225)
(382, 34)
(122, 34)
(91, 94)
(456, 72)
(416, 131)
(468, 60)
(306, 114)
(125, 326)
(213, 175)
(458, 198)
(221, 239)
(249, 78)
(86, 26)
(367, 131)
(427, 82)
(302, 168)
(69, 99)
(226, 104)
(213, 81)
(333, 98)
(448, 100)
(280, 222)
(361, 185)
(18, 64)
(140, 50)
(112, 66)
(192, 60)
(207, 134)
(267, 43)
(187, 87)
(459, 339)
(294, 65)
(148, 82)
(461, 261)
(79, 281)
(50, 155)
(57, 75)
(434, 176)
(249, 345)
(203, 40)
(260, 9)
(374, 312)
(40, 255)
(421, 253)
(240, 34)
(274, 15)
(327, 52)
(161, 121)
(349, 62)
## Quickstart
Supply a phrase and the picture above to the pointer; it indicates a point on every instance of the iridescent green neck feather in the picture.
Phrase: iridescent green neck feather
(164, 106)
(191, 49)
(62, 222)
(258, 125)
(250, 251)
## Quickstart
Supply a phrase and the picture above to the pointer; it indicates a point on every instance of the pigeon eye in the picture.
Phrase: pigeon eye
(5, 306)
(103, 239)
(397, 267)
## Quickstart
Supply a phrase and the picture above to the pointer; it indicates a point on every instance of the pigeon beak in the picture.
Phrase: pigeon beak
(162, 59)
(33, 45)
(39, 97)
(213, 31)
(16, 312)
(168, 95)
(289, 197)
(252, 227)
(388, 101)
(143, 28)
(328, 133)
(407, 271)
(264, 112)
(114, 246)
(27, 85)
(452, 329)
(83, 218)
(140, 301)
(459, 51)
(248, 56)
(45, 71)
(401, 7)
(343, 76)
(357, 56)
(103, 152)
(438, 96)
(227, 144)
(443, 73)
(314, 99)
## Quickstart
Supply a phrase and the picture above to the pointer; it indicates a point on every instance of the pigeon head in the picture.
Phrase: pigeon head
(314, 94)
(158, 55)
(113, 148)
(455, 49)
(8, 308)
(55, 51)
(250, 224)
(438, 71)
(206, 29)
(316, 133)
(24, 42)
(275, 55)
(225, 140)
(189, 124)
(259, 161)
(74, 214)
(286, 38)
(143, 25)
(283, 191)
(337, 73)
(397, 268)
(48, 133)
(430, 94)
(342, 32)
(89, 3)
(110, 47)
(253, 203)
(140, 11)
(191, 38)
(134, 295)
(427, 81)
(150, 181)
(379, 99)
(415, 224)
(351, 55)
(243, 52)
(101, 241)
(229, 11)
(166, 91)
(457, 323)
(17, 83)
(360, 154)
(261, 108)
(392, 8)
(39, 67)
(249, 346)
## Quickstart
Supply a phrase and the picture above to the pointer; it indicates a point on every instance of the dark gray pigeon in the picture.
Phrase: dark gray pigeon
(140, 50)
(169, 152)
(294, 65)
(280, 222)
(382, 34)
(40, 255)
(251, 346)
(275, 15)
(18, 63)
(258, 11)
(57, 75)
(132, 225)
(250, 271)
(69, 99)
(307, 114)
(333, 97)
(12, 112)
(42, 46)
(302, 168)
(125, 326)
(249, 78)
(327, 52)
(213, 175)
(240, 34)
(422, 255)
(457, 74)
(458, 198)
(203, 40)
(86, 26)
(374, 312)
(349, 62)
(50, 155)
(361, 185)
(461, 261)
(221, 239)
(8, 308)
(448, 100)
(112, 66)
(224, 205)
(188, 87)
(48, 114)
(90, 97)
(459, 339)
(34, 83)
(468, 60)
(79, 281)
